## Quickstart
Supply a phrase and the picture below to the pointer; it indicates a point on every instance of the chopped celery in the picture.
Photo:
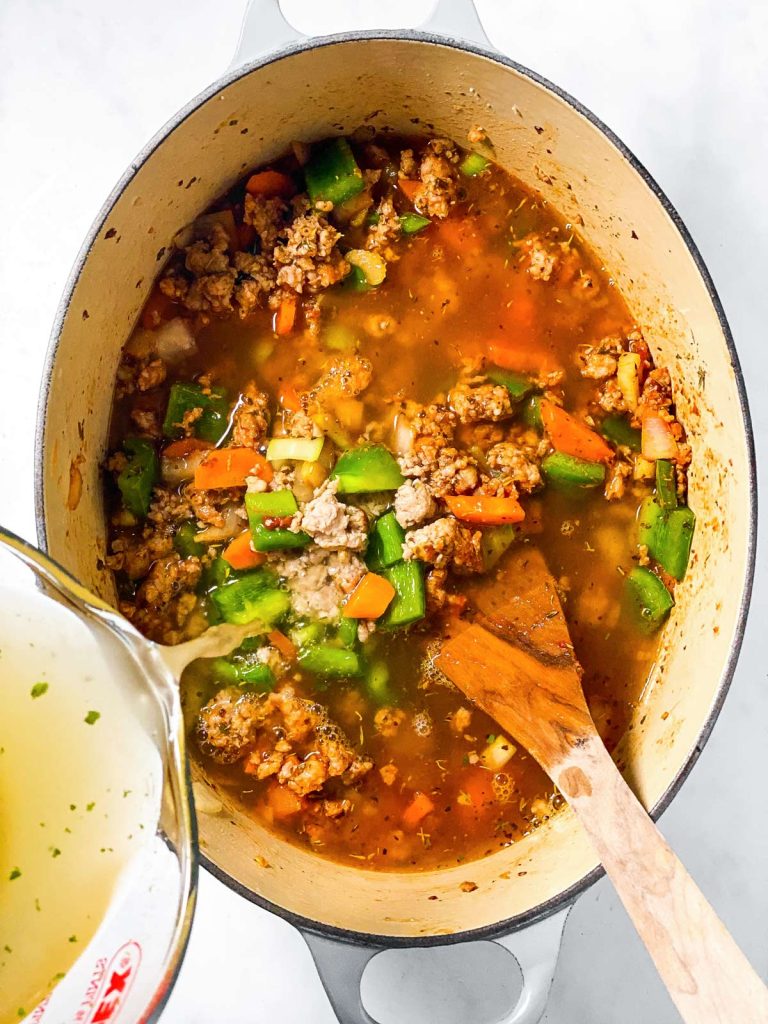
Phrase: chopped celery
(648, 598)
(138, 478)
(184, 540)
(367, 468)
(385, 544)
(215, 574)
(278, 505)
(255, 676)
(311, 633)
(294, 449)
(244, 670)
(356, 280)
(517, 384)
(473, 164)
(412, 223)
(332, 174)
(410, 601)
(377, 683)
(618, 430)
(249, 597)
(373, 266)
(532, 413)
(223, 671)
(567, 471)
(496, 540)
(211, 426)
(675, 542)
(324, 660)
(666, 484)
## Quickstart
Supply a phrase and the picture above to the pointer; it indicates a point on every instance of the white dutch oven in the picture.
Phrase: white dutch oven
(307, 89)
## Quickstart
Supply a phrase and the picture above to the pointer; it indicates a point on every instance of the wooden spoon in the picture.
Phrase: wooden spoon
(517, 663)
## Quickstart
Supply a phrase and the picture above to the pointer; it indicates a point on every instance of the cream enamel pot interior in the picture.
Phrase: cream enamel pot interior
(307, 90)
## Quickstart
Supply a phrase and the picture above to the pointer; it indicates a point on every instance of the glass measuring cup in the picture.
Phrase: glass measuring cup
(98, 866)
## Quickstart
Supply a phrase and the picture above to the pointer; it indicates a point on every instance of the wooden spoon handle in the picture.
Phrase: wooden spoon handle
(708, 977)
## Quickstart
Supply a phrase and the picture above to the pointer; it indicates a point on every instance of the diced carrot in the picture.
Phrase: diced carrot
(286, 647)
(484, 509)
(571, 436)
(246, 235)
(409, 187)
(283, 801)
(157, 309)
(460, 234)
(271, 184)
(476, 786)
(228, 467)
(185, 446)
(285, 317)
(288, 397)
(240, 555)
(370, 598)
(658, 441)
(417, 810)
(521, 356)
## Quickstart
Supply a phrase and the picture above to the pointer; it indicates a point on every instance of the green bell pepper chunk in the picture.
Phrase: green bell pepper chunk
(618, 430)
(346, 634)
(214, 422)
(262, 504)
(324, 660)
(473, 164)
(410, 601)
(215, 574)
(138, 478)
(367, 468)
(377, 683)
(517, 384)
(567, 471)
(356, 281)
(649, 600)
(249, 597)
(184, 540)
(532, 413)
(304, 636)
(223, 671)
(412, 223)
(675, 541)
(255, 676)
(666, 484)
(332, 174)
(650, 518)
(385, 544)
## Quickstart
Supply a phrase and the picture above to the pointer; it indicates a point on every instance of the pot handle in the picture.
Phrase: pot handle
(266, 28)
(341, 966)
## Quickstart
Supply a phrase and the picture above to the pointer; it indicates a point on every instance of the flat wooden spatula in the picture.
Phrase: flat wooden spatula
(517, 663)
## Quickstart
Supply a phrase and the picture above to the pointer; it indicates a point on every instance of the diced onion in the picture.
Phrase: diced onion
(498, 752)
(174, 340)
(404, 436)
(233, 525)
(628, 376)
(177, 470)
(658, 441)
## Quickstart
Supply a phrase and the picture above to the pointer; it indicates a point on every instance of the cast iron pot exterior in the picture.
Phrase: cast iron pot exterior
(401, 80)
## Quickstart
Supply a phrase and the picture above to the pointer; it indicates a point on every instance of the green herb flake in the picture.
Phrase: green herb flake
(55, 851)
(38, 690)
(16, 873)
(38, 908)
(73, 938)
(90, 806)
(92, 717)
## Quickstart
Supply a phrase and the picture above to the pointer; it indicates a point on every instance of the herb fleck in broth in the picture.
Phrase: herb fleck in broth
(492, 316)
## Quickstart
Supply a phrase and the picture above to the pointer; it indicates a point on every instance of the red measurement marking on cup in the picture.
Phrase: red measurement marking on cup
(118, 978)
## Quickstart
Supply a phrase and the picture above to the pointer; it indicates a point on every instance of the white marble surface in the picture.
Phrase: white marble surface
(83, 83)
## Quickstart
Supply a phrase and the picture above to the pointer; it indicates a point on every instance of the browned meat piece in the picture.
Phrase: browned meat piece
(318, 579)
(146, 422)
(301, 424)
(213, 507)
(620, 472)
(435, 421)
(600, 361)
(437, 595)
(139, 373)
(513, 463)
(461, 719)
(409, 167)
(310, 260)
(254, 283)
(168, 509)
(610, 397)
(540, 259)
(446, 543)
(388, 773)
(151, 375)
(165, 599)
(251, 419)
(269, 218)
(387, 721)
(477, 136)
(656, 395)
(344, 376)
(385, 231)
(134, 555)
(413, 504)
(336, 808)
(443, 469)
(227, 725)
(483, 402)
(331, 523)
(438, 171)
